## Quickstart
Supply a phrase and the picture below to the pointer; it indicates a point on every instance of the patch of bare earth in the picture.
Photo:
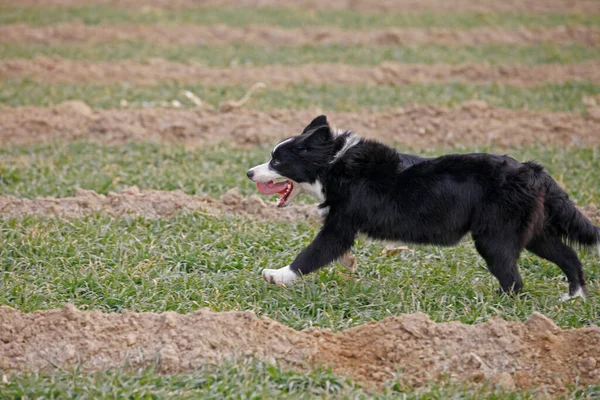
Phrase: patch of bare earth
(133, 202)
(531, 355)
(77, 33)
(474, 123)
(457, 6)
(55, 69)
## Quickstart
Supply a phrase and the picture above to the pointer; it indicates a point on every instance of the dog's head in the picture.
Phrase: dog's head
(296, 163)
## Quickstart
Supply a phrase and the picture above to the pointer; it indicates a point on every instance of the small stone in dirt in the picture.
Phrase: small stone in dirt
(231, 197)
(70, 312)
(475, 105)
(504, 380)
(594, 113)
(73, 107)
(169, 358)
(131, 339)
(540, 323)
(170, 319)
(587, 364)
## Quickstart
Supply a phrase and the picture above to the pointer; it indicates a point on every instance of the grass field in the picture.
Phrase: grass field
(249, 380)
(192, 261)
(57, 169)
(284, 18)
(252, 55)
(545, 97)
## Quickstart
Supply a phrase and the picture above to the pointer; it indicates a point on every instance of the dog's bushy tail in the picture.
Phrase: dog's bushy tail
(564, 216)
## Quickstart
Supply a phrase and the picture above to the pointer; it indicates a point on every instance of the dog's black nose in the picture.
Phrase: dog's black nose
(250, 173)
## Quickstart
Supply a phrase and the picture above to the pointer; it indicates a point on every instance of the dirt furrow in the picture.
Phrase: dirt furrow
(77, 33)
(457, 6)
(416, 127)
(535, 354)
(133, 202)
(51, 69)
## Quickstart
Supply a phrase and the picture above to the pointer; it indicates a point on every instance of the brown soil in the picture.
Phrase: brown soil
(154, 204)
(457, 6)
(416, 127)
(530, 355)
(77, 32)
(133, 202)
(53, 69)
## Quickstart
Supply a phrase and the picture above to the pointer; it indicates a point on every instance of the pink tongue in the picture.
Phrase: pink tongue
(271, 187)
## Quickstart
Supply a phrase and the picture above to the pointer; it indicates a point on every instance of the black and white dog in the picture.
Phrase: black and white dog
(366, 187)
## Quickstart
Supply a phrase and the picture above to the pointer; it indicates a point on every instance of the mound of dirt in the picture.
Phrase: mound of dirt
(153, 204)
(417, 127)
(56, 69)
(78, 32)
(440, 6)
(161, 204)
(526, 355)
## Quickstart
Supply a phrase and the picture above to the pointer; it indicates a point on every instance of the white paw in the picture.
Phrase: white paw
(281, 276)
(578, 293)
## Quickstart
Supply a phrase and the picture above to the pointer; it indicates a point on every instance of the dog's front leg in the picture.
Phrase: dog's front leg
(332, 242)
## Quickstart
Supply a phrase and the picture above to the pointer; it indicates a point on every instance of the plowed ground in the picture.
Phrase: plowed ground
(46, 69)
(76, 32)
(474, 123)
(534, 354)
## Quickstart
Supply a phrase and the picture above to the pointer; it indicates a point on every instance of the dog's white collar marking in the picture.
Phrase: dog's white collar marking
(351, 141)
(314, 189)
(323, 212)
(281, 276)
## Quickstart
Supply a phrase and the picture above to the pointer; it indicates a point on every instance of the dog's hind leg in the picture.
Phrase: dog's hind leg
(501, 257)
(552, 248)
(348, 261)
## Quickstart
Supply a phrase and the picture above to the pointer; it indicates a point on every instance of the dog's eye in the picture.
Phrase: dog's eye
(275, 162)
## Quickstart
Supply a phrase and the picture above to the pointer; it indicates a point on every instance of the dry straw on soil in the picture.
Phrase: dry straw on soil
(153, 204)
(457, 6)
(77, 32)
(474, 123)
(531, 355)
(133, 202)
(56, 69)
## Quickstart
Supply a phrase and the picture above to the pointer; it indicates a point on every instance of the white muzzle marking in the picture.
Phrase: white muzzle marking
(264, 173)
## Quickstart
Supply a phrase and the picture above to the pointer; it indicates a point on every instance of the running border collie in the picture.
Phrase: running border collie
(364, 186)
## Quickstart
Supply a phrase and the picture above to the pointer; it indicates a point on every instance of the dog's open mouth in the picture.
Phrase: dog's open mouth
(284, 188)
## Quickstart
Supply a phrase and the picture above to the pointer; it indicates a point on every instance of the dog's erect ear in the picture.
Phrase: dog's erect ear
(318, 135)
(317, 122)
